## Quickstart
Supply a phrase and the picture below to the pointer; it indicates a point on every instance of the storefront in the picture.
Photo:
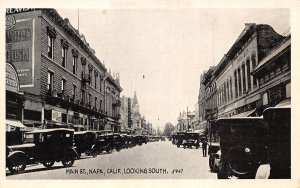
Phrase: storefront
(14, 107)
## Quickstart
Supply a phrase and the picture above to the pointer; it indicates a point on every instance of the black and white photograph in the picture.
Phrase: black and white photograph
(182, 93)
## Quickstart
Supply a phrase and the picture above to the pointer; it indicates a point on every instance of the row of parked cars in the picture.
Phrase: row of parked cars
(48, 146)
(187, 139)
(253, 147)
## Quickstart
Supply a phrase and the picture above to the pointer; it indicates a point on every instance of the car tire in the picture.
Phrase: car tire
(221, 174)
(48, 164)
(17, 166)
(68, 160)
(178, 145)
(94, 154)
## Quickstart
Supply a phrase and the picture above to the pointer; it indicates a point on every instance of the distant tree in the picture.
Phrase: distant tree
(169, 128)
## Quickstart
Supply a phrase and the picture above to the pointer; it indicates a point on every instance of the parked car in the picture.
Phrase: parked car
(103, 143)
(278, 165)
(243, 146)
(179, 138)
(117, 141)
(85, 141)
(45, 146)
(191, 139)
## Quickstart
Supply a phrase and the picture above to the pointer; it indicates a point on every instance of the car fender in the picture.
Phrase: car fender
(17, 155)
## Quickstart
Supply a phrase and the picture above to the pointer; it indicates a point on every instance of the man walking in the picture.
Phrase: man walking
(204, 147)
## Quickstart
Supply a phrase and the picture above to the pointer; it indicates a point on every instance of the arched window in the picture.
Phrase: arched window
(235, 84)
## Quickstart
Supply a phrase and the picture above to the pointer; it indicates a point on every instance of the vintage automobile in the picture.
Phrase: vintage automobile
(140, 139)
(174, 138)
(278, 121)
(243, 146)
(180, 138)
(124, 140)
(42, 146)
(103, 143)
(117, 141)
(191, 139)
(84, 142)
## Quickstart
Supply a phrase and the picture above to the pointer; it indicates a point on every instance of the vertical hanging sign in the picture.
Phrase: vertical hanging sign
(19, 47)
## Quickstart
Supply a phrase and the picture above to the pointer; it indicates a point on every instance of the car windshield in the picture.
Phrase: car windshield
(193, 136)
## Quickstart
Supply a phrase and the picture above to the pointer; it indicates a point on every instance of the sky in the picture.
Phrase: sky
(161, 53)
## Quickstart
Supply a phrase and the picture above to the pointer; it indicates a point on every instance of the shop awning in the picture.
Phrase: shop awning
(14, 123)
(245, 114)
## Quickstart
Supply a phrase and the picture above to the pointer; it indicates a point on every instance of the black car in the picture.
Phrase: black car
(278, 121)
(243, 146)
(104, 143)
(85, 141)
(117, 141)
(42, 146)
(191, 139)
(180, 137)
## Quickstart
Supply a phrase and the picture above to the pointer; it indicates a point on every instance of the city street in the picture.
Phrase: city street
(154, 160)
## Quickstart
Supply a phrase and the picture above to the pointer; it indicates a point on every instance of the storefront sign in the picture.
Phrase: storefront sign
(17, 10)
(20, 47)
(12, 81)
(56, 116)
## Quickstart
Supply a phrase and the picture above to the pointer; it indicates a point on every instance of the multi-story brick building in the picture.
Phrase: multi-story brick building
(230, 88)
(62, 79)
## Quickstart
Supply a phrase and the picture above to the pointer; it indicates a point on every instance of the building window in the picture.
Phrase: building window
(253, 66)
(74, 66)
(90, 75)
(244, 78)
(101, 80)
(50, 46)
(63, 56)
(50, 81)
(288, 90)
(248, 74)
(82, 93)
(96, 100)
(240, 81)
(235, 84)
(101, 104)
(265, 99)
(63, 85)
(74, 91)
(90, 98)
(96, 77)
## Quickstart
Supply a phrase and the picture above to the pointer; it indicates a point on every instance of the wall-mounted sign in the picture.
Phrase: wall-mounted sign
(17, 10)
(12, 81)
(56, 116)
(20, 47)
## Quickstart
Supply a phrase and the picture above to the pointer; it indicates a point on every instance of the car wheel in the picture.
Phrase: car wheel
(184, 146)
(197, 147)
(222, 172)
(68, 160)
(16, 166)
(94, 154)
(48, 164)
(178, 145)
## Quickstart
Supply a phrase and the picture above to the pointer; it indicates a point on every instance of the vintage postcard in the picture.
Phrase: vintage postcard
(149, 92)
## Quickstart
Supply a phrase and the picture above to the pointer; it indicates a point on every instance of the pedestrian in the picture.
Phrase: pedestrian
(204, 148)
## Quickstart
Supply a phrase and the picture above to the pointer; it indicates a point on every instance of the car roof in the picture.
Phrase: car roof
(239, 120)
(50, 130)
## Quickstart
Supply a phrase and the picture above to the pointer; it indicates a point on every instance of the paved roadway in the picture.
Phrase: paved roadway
(155, 160)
